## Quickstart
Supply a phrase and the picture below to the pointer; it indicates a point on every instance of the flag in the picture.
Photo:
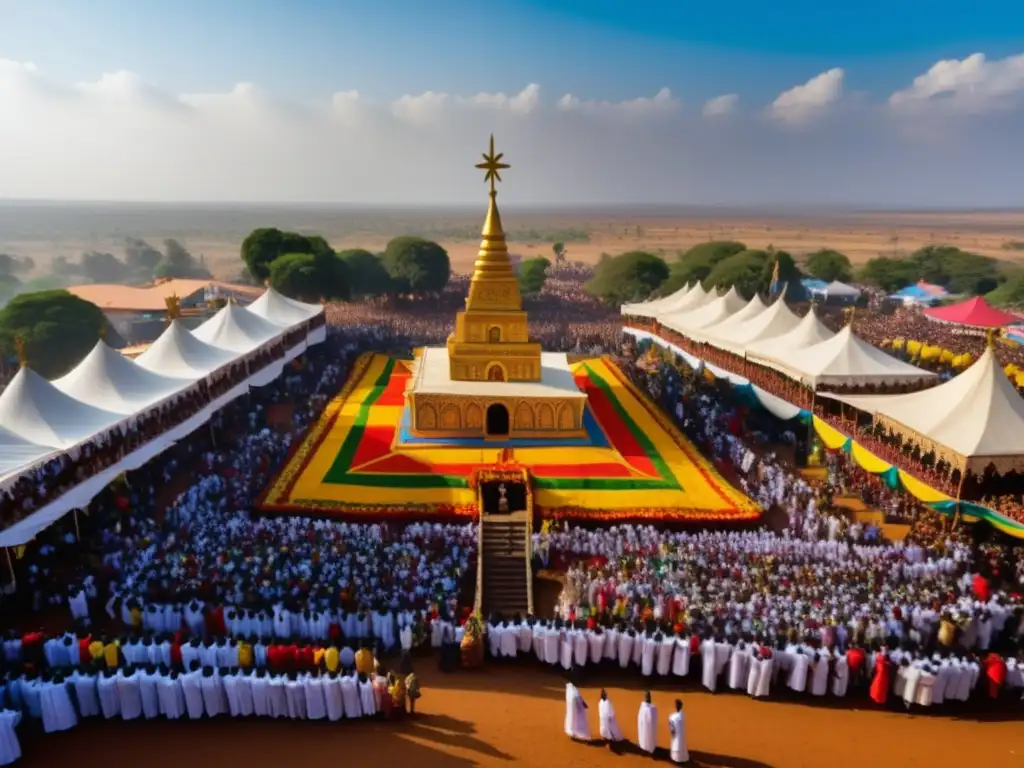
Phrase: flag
(775, 280)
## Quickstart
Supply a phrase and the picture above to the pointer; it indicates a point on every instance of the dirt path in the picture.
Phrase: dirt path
(515, 714)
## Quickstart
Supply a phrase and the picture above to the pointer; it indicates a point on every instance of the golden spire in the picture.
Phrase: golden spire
(19, 348)
(492, 261)
(173, 304)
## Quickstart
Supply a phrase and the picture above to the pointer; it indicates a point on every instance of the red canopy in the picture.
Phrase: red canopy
(975, 312)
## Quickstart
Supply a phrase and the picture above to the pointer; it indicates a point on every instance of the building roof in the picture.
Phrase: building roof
(127, 298)
(975, 312)
(433, 376)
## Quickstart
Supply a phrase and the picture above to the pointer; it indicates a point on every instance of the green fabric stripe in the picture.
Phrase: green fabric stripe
(343, 460)
(638, 434)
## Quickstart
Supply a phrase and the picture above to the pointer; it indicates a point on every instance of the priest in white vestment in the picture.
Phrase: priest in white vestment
(84, 684)
(610, 729)
(708, 669)
(150, 696)
(129, 691)
(350, 697)
(106, 688)
(576, 726)
(10, 747)
(626, 640)
(333, 698)
(647, 725)
(648, 654)
(316, 705)
(58, 711)
(677, 731)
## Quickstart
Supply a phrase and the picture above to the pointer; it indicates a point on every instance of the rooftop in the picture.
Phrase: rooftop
(433, 377)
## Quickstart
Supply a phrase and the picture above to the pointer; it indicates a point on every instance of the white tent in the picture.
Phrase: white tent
(179, 354)
(838, 290)
(17, 452)
(652, 307)
(710, 333)
(237, 330)
(110, 381)
(697, 297)
(706, 314)
(848, 360)
(282, 311)
(808, 332)
(777, 320)
(35, 410)
(977, 415)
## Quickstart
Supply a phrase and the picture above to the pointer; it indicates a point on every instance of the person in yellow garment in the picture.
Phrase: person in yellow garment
(245, 654)
(365, 661)
(332, 659)
(96, 648)
(112, 654)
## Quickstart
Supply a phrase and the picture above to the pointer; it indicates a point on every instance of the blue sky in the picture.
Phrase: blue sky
(371, 101)
(608, 49)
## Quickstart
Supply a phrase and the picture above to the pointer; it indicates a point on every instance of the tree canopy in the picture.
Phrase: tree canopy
(416, 265)
(751, 271)
(632, 276)
(829, 265)
(366, 273)
(310, 277)
(58, 329)
(265, 245)
(696, 264)
(533, 273)
(955, 270)
(178, 262)
(1010, 293)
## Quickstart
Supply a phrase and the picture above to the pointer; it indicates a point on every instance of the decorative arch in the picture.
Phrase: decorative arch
(494, 334)
(496, 372)
(497, 420)
(426, 416)
(524, 416)
(545, 416)
(565, 417)
(474, 416)
(450, 417)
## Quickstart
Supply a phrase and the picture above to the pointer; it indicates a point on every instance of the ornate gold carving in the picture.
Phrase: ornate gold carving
(494, 335)
(565, 417)
(474, 416)
(524, 416)
(451, 418)
(496, 372)
(545, 416)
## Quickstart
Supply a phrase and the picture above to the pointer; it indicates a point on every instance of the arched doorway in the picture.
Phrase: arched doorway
(497, 419)
(495, 373)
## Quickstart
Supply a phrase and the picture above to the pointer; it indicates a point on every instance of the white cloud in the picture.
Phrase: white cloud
(119, 137)
(805, 102)
(661, 103)
(970, 85)
(721, 105)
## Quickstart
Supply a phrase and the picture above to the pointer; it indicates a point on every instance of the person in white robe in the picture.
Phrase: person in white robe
(494, 640)
(723, 654)
(172, 696)
(753, 673)
(595, 645)
(611, 645)
(925, 687)
(580, 647)
(150, 695)
(681, 657)
(84, 684)
(509, 644)
(192, 688)
(539, 641)
(666, 647)
(648, 654)
(58, 711)
(350, 697)
(798, 672)
(565, 649)
(610, 729)
(243, 689)
(767, 673)
(277, 695)
(10, 747)
(260, 693)
(230, 682)
(677, 731)
(129, 691)
(708, 670)
(820, 672)
(647, 725)
(295, 692)
(576, 725)
(212, 686)
(626, 641)
(316, 705)
(525, 637)
(552, 645)
(911, 678)
(367, 700)
(333, 698)
(738, 663)
(106, 688)
(840, 675)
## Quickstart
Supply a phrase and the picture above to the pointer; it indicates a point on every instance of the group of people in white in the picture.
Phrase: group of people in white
(577, 726)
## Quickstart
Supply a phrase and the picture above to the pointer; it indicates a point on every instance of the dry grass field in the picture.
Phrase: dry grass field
(43, 231)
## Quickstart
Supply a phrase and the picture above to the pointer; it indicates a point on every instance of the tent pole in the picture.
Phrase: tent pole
(78, 533)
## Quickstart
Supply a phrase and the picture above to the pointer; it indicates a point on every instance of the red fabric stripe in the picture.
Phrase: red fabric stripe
(615, 429)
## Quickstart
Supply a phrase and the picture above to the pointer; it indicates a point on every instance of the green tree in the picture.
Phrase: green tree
(366, 273)
(57, 328)
(296, 275)
(532, 275)
(12, 265)
(1010, 293)
(559, 250)
(829, 265)
(889, 274)
(141, 258)
(178, 262)
(632, 276)
(746, 270)
(696, 264)
(101, 267)
(416, 265)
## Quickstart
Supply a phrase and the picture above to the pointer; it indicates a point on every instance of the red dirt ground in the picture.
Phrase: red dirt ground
(507, 714)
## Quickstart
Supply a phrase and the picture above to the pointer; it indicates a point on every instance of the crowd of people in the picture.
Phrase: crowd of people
(176, 599)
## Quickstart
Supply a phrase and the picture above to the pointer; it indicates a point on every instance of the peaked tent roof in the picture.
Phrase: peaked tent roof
(35, 410)
(108, 380)
(975, 312)
(846, 359)
(753, 308)
(652, 307)
(836, 288)
(808, 332)
(236, 329)
(705, 315)
(281, 310)
(977, 414)
(777, 320)
(17, 452)
(179, 354)
(697, 297)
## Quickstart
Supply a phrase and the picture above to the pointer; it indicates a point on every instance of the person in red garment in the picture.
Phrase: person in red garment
(880, 684)
(855, 662)
(995, 672)
(980, 588)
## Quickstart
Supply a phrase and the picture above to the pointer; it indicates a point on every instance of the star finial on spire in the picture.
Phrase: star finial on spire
(493, 166)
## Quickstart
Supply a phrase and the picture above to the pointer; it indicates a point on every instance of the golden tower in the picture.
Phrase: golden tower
(491, 341)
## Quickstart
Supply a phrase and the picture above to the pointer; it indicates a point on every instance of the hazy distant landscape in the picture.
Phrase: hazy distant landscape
(43, 231)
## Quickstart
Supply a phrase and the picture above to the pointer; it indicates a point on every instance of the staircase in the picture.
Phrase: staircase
(504, 564)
